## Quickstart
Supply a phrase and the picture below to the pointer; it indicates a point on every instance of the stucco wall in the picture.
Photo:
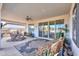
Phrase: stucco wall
(0, 23)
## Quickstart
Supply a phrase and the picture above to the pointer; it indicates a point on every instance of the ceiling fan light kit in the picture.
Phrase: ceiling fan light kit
(28, 18)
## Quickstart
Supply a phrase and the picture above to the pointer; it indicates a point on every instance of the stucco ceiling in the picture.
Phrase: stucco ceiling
(35, 10)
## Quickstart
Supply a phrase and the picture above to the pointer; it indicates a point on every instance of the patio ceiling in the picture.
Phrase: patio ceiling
(19, 11)
(0, 8)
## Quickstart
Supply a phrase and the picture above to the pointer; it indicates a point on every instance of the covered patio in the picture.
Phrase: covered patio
(32, 29)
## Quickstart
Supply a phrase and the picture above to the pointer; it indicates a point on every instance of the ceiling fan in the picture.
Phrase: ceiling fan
(28, 18)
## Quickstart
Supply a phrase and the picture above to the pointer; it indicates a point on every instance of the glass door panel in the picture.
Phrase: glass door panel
(45, 29)
(31, 29)
(52, 29)
(59, 28)
(40, 29)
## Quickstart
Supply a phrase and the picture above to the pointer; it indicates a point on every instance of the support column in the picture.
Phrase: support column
(0, 31)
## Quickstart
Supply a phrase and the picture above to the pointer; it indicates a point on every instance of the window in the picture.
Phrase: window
(75, 21)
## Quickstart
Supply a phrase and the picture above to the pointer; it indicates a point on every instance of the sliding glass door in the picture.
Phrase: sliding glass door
(51, 29)
(43, 29)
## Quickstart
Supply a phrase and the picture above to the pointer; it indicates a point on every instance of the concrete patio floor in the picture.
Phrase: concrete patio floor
(8, 48)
